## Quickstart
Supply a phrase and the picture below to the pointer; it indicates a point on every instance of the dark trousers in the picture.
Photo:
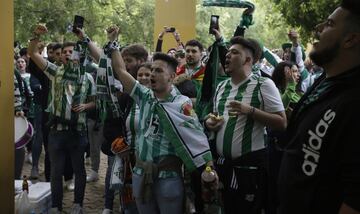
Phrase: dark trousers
(275, 156)
(45, 131)
(250, 197)
(62, 143)
(245, 183)
(37, 138)
(196, 188)
(68, 171)
(19, 162)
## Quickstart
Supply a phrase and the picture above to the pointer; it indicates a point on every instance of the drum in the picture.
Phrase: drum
(23, 132)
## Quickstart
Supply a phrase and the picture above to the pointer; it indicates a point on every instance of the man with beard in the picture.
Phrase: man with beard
(193, 70)
(243, 106)
(134, 55)
(320, 171)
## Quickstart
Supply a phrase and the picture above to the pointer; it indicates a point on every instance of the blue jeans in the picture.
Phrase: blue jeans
(60, 144)
(168, 196)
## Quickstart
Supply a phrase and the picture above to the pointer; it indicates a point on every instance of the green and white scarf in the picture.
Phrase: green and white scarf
(229, 3)
(107, 102)
(184, 132)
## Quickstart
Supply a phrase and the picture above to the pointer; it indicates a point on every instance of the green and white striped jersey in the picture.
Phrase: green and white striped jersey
(151, 142)
(241, 134)
(132, 124)
(66, 92)
(151, 139)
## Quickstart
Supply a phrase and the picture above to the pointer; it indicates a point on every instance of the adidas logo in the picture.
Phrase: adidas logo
(313, 146)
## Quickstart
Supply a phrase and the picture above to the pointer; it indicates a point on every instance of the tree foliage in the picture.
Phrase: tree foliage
(136, 20)
(134, 17)
(269, 28)
(306, 14)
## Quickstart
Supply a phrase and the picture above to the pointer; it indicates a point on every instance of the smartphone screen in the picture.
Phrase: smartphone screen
(214, 23)
(170, 30)
(78, 23)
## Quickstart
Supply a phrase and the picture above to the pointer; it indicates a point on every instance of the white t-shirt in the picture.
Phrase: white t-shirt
(240, 135)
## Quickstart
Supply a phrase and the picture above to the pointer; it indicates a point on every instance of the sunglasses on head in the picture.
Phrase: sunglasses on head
(179, 54)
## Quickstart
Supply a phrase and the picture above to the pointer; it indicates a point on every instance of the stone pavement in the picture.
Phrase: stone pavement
(94, 193)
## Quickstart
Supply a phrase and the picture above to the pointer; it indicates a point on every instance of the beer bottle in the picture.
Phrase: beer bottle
(25, 184)
(208, 178)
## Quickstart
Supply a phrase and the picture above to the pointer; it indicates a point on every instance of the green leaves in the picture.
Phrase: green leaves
(134, 17)
(269, 26)
(306, 14)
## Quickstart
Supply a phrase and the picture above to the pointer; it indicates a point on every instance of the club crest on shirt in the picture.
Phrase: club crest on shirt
(187, 109)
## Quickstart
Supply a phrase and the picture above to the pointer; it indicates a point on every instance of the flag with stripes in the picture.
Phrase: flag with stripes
(184, 131)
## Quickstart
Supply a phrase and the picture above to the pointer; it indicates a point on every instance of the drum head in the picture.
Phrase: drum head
(21, 126)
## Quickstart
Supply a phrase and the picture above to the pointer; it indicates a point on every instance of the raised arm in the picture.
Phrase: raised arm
(296, 49)
(160, 41)
(33, 49)
(95, 51)
(118, 64)
(180, 45)
(246, 19)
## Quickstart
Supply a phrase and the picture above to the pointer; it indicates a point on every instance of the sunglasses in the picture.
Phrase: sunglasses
(180, 55)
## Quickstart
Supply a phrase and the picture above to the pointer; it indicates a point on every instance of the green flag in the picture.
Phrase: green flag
(228, 3)
(211, 79)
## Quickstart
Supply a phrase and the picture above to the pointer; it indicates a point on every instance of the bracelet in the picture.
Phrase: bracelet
(110, 47)
(252, 111)
(220, 39)
(86, 39)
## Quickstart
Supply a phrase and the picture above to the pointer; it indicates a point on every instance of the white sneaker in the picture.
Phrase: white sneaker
(70, 186)
(107, 211)
(29, 157)
(76, 209)
(94, 176)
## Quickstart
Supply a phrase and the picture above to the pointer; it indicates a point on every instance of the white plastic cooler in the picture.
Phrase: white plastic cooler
(40, 197)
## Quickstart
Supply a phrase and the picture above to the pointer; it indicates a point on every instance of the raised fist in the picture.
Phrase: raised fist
(40, 29)
(113, 32)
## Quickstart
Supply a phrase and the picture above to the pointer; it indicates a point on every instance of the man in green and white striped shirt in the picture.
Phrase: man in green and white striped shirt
(70, 96)
(157, 182)
(245, 104)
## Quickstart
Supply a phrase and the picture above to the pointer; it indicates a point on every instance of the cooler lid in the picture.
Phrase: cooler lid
(39, 190)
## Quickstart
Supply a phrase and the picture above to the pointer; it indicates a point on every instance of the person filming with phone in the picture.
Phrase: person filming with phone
(71, 95)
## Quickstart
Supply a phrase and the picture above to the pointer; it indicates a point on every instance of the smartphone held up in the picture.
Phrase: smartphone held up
(214, 24)
(78, 23)
(170, 29)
